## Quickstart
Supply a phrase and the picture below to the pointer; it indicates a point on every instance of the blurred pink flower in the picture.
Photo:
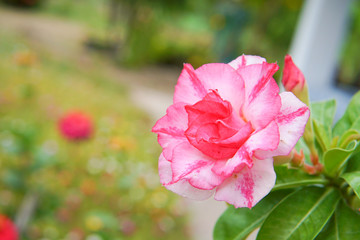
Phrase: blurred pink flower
(226, 124)
(128, 227)
(76, 126)
(7, 229)
(293, 79)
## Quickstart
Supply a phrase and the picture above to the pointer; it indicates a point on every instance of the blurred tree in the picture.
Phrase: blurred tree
(270, 27)
(159, 31)
(141, 22)
(228, 22)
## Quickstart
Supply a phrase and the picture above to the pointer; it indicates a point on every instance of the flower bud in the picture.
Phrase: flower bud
(294, 81)
(293, 78)
(298, 158)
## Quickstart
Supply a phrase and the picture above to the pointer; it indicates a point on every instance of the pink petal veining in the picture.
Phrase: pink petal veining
(226, 124)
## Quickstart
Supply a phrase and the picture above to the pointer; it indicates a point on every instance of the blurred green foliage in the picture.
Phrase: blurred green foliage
(106, 187)
(23, 3)
(142, 32)
(349, 69)
(172, 32)
(91, 13)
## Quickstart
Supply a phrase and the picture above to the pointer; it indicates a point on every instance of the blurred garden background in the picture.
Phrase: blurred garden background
(90, 56)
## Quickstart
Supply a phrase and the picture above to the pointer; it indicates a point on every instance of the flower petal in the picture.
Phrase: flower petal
(171, 128)
(291, 120)
(225, 79)
(168, 143)
(265, 140)
(193, 85)
(189, 88)
(241, 159)
(190, 164)
(181, 187)
(245, 60)
(249, 186)
(262, 101)
(175, 122)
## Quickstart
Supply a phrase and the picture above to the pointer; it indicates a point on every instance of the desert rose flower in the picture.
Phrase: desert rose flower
(226, 124)
(7, 229)
(76, 126)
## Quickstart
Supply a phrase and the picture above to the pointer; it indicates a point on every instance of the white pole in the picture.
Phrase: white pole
(316, 45)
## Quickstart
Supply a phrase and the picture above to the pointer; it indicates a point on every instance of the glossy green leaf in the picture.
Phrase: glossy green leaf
(353, 163)
(329, 231)
(344, 225)
(335, 159)
(300, 216)
(353, 179)
(290, 178)
(322, 135)
(237, 223)
(348, 223)
(356, 124)
(350, 116)
(322, 114)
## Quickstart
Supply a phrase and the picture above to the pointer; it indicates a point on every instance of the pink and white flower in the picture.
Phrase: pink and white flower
(226, 124)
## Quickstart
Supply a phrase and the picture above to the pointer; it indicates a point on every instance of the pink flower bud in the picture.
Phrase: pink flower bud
(298, 159)
(292, 79)
(76, 126)
(7, 229)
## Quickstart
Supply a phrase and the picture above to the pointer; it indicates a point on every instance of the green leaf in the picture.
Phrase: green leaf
(353, 179)
(356, 124)
(350, 116)
(344, 225)
(353, 163)
(348, 223)
(329, 232)
(302, 215)
(322, 135)
(290, 178)
(237, 223)
(322, 114)
(335, 159)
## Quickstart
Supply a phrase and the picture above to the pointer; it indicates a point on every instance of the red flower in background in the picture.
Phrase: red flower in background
(76, 126)
(7, 229)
